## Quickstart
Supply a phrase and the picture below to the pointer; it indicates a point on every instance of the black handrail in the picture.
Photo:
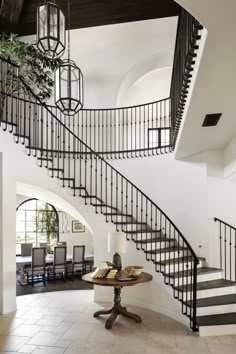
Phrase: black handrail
(186, 48)
(133, 143)
(227, 249)
(111, 193)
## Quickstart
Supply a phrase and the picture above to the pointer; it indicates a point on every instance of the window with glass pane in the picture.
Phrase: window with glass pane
(158, 137)
(36, 221)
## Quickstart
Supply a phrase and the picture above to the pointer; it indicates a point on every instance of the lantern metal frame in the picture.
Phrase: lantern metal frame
(57, 50)
(69, 105)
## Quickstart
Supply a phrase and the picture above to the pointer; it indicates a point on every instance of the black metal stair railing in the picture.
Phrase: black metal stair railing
(127, 132)
(124, 132)
(68, 159)
(186, 48)
(227, 249)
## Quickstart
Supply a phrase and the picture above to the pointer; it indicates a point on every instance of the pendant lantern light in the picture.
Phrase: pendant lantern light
(50, 29)
(68, 83)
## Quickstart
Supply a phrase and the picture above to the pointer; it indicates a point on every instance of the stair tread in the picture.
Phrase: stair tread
(21, 135)
(44, 159)
(166, 250)
(89, 196)
(115, 214)
(211, 284)
(55, 169)
(66, 179)
(178, 260)
(217, 320)
(143, 231)
(103, 205)
(130, 223)
(200, 271)
(216, 300)
(8, 122)
(155, 239)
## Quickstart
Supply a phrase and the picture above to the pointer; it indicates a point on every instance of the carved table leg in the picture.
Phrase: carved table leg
(102, 312)
(116, 310)
(131, 315)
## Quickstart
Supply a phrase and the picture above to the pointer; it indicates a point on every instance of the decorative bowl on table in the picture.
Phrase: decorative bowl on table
(134, 270)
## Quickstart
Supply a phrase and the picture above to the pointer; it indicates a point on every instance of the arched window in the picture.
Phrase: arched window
(36, 221)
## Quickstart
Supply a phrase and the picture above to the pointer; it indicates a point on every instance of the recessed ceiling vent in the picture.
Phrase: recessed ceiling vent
(211, 120)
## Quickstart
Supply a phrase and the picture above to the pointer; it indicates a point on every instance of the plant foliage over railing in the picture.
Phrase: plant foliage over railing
(67, 158)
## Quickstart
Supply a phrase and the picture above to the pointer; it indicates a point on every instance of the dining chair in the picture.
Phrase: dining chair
(46, 245)
(78, 262)
(37, 271)
(26, 249)
(59, 262)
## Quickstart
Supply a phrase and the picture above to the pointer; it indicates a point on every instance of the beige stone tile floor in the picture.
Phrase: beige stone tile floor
(63, 322)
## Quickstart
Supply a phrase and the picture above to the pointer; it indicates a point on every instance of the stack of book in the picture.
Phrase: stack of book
(100, 272)
(112, 274)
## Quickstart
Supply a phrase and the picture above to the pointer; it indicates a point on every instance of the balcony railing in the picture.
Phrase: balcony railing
(186, 47)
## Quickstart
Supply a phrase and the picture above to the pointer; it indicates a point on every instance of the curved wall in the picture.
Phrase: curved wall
(23, 170)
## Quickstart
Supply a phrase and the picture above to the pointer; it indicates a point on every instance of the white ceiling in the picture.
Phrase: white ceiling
(215, 86)
(108, 54)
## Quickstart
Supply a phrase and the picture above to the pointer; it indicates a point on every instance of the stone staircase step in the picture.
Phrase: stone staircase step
(167, 250)
(219, 324)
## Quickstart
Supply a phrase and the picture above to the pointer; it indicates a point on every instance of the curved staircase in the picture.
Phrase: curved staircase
(206, 295)
(201, 290)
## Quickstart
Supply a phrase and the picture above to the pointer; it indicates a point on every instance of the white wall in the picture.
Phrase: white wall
(116, 51)
(7, 235)
(214, 88)
(32, 181)
(190, 192)
(179, 188)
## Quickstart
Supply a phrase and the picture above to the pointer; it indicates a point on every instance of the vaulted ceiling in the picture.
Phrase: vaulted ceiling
(20, 15)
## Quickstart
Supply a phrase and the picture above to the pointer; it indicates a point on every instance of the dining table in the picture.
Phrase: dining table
(23, 261)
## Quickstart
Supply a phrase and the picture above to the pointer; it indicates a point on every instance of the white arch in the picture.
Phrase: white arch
(148, 65)
(34, 191)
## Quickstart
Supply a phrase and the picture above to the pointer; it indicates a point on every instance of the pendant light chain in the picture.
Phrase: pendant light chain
(68, 10)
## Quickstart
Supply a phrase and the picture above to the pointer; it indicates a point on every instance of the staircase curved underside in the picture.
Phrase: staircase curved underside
(118, 200)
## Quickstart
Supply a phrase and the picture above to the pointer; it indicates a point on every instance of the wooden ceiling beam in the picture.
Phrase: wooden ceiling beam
(90, 13)
(10, 11)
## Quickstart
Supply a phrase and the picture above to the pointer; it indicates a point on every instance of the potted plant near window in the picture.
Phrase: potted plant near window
(34, 69)
(47, 223)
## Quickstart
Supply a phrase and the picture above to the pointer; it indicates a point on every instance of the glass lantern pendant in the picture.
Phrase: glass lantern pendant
(68, 83)
(68, 87)
(50, 30)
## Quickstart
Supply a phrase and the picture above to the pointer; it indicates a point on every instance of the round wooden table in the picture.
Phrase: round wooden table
(117, 308)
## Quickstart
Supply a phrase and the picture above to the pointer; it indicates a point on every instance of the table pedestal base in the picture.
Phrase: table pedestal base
(116, 310)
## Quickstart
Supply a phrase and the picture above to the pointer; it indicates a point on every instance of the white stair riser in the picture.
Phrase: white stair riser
(145, 236)
(104, 208)
(215, 292)
(157, 245)
(164, 256)
(205, 331)
(119, 218)
(133, 227)
(179, 267)
(91, 200)
(215, 310)
(200, 278)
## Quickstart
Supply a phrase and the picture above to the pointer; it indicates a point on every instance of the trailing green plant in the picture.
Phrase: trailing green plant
(47, 223)
(35, 68)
